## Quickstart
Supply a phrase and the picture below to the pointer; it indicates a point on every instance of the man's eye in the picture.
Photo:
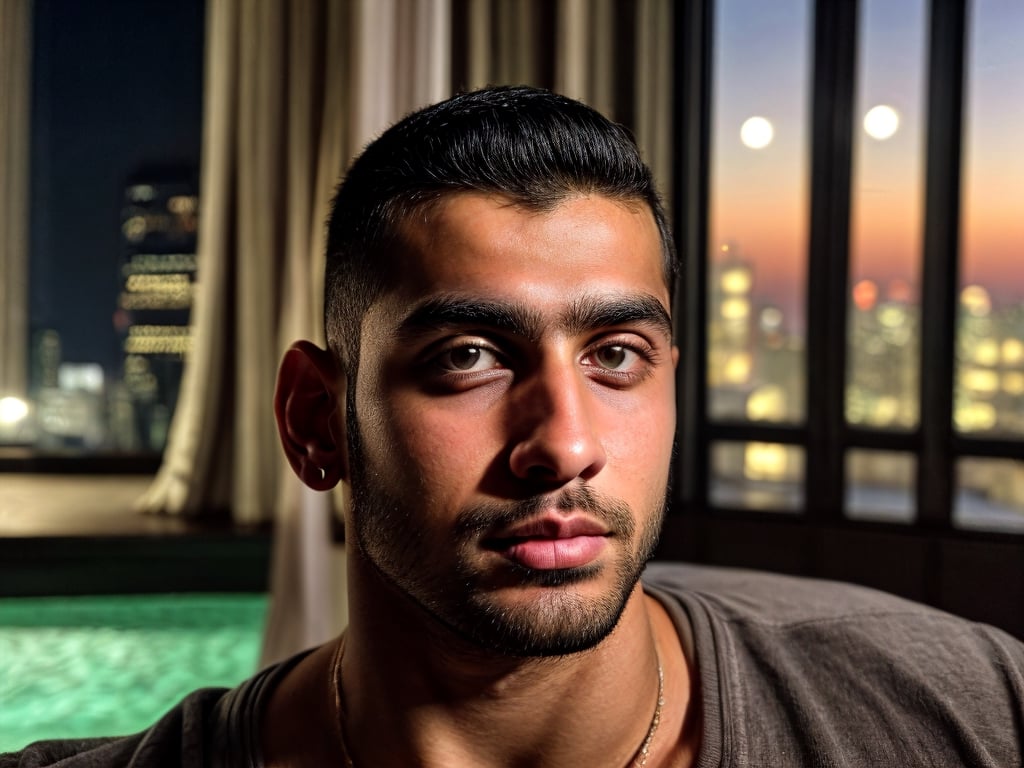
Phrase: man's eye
(468, 358)
(615, 357)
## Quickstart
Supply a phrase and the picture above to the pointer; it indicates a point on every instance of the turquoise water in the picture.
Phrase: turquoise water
(102, 665)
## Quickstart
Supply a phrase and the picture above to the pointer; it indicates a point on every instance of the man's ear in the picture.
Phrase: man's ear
(309, 407)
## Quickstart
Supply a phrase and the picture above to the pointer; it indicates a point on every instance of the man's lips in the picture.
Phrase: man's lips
(551, 542)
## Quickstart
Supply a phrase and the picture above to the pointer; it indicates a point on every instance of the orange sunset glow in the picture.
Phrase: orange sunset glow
(759, 197)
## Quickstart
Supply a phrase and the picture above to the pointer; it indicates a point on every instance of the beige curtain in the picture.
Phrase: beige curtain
(615, 55)
(15, 87)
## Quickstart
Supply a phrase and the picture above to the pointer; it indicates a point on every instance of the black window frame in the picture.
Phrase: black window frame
(979, 574)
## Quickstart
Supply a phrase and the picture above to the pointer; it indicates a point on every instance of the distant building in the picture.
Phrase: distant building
(158, 273)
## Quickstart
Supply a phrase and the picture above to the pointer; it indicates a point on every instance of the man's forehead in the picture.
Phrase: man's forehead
(467, 233)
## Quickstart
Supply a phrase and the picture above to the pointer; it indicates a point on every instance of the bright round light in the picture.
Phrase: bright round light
(757, 133)
(976, 301)
(881, 122)
(12, 410)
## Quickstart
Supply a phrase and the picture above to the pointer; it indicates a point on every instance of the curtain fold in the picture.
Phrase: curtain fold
(15, 146)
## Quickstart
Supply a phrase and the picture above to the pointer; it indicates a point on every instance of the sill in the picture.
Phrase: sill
(26, 460)
(72, 534)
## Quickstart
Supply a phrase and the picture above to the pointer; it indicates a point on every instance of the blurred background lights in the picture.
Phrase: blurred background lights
(881, 122)
(737, 280)
(12, 410)
(1013, 351)
(771, 319)
(756, 132)
(975, 417)
(865, 295)
(767, 403)
(976, 301)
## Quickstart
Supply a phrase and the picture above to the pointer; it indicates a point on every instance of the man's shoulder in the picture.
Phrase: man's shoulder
(763, 621)
(179, 738)
(772, 599)
(833, 668)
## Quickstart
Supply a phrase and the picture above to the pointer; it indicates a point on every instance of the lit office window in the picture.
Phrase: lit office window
(759, 210)
(886, 216)
(754, 475)
(989, 396)
(880, 486)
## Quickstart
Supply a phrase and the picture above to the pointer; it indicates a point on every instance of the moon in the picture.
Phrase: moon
(881, 122)
(757, 132)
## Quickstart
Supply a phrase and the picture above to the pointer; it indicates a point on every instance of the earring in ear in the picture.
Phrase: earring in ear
(323, 473)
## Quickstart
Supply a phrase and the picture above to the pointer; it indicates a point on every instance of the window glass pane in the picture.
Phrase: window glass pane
(886, 215)
(990, 495)
(990, 333)
(767, 476)
(116, 130)
(758, 210)
(880, 486)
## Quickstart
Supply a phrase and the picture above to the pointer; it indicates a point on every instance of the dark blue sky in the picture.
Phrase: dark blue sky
(117, 87)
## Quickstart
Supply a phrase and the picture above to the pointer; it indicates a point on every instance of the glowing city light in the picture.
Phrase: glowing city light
(976, 300)
(865, 294)
(1012, 351)
(12, 410)
(737, 281)
(975, 417)
(735, 309)
(986, 352)
(881, 122)
(756, 132)
(767, 403)
(737, 368)
(765, 461)
(771, 319)
(1013, 383)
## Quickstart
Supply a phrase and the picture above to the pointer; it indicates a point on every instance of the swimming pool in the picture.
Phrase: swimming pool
(111, 665)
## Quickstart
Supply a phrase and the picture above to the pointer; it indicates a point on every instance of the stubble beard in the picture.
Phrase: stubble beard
(556, 620)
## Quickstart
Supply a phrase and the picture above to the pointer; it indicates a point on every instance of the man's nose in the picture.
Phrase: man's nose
(553, 419)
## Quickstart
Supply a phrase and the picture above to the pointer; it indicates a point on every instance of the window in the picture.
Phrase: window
(117, 94)
(757, 228)
(900, 300)
(989, 385)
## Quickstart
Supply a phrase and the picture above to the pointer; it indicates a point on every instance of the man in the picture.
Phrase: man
(498, 393)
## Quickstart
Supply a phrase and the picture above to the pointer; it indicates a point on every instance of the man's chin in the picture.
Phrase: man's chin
(554, 614)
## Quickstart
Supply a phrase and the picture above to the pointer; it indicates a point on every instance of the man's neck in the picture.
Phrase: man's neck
(412, 698)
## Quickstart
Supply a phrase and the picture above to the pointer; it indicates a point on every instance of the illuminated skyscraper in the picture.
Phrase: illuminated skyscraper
(730, 332)
(158, 228)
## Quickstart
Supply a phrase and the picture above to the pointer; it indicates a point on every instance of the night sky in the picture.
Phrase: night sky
(117, 89)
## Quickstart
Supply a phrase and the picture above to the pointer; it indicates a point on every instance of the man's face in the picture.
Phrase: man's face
(513, 419)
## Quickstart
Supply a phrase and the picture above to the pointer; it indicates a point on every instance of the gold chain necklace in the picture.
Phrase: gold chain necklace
(641, 756)
(639, 759)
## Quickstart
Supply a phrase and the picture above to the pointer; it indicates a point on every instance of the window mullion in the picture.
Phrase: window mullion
(691, 137)
(935, 485)
(835, 27)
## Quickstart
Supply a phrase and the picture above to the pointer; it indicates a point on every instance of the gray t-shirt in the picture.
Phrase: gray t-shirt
(792, 672)
(797, 672)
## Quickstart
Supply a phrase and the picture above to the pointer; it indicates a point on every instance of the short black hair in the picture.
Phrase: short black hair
(527, 144)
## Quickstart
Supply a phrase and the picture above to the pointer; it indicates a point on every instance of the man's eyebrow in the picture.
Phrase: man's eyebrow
(593, 312)
(440, 312)
(584, 314)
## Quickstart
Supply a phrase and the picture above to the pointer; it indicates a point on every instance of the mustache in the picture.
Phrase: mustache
(491, 515)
